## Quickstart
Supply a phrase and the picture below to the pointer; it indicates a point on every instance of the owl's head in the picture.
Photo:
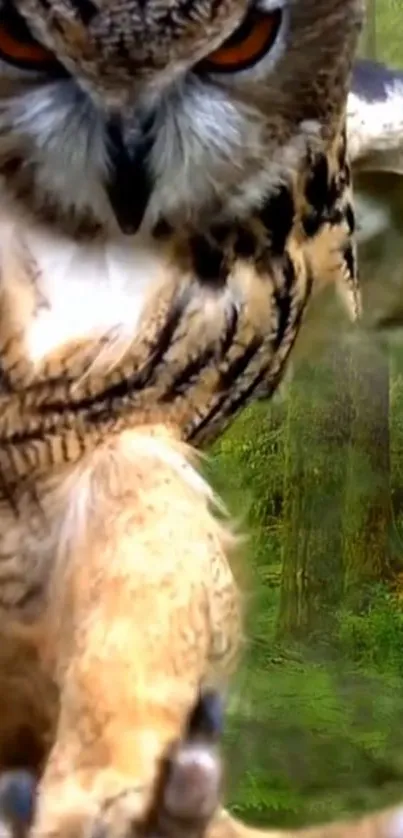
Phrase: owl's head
(119, 112)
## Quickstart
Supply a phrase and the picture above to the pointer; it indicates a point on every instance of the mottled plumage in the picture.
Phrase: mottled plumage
(175, 181)
(248, 202)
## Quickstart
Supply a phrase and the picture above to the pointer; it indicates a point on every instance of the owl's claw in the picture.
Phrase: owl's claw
(188, 789)
(17, 802)
(206, 718)
(186, 792)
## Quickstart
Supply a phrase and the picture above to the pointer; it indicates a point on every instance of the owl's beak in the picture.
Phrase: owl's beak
(129, 185)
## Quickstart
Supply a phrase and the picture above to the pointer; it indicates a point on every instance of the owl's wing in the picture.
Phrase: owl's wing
(375, 144)
(375, 118)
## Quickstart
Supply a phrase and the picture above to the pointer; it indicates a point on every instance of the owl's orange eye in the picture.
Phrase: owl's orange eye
(247, 45)
(17, 46)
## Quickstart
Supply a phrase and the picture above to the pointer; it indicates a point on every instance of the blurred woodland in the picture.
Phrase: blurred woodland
(315, 727)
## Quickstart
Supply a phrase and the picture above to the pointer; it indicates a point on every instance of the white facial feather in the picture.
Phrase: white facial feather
(202, 140)
(63, 133)
(88, 288)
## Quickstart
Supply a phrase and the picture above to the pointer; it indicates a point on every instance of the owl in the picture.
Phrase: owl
(175, 182)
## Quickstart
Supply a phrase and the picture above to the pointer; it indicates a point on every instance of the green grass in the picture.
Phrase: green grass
(313, 730)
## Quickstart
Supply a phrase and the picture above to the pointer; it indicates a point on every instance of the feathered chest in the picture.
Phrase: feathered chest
(181, 328)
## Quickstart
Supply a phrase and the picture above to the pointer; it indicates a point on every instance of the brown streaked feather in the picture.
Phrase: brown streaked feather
(203, 349)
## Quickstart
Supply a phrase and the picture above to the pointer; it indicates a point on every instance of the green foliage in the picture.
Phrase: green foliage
(313, 729)
(388, 15)
(312, 738)
(374, 638)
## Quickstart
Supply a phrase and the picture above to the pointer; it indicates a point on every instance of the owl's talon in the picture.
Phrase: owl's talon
(189, 786)
(193, 785)
(17, 801)
(207, 716)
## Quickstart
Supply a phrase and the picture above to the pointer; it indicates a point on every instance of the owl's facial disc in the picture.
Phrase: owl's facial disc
(132, 110)
(128, 182)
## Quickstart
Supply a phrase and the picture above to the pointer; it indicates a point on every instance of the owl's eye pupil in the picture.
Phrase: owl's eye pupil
(17, 45)
(247, 45)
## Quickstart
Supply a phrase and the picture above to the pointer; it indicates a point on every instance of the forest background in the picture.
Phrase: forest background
(315, 723)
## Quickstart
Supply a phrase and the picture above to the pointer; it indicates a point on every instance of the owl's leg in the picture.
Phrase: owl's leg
(185, 794)
(141, 603)
(141, 588)
(28, 699)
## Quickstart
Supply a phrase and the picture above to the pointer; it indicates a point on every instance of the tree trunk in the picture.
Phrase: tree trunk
(368, 513)
(315, 472)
